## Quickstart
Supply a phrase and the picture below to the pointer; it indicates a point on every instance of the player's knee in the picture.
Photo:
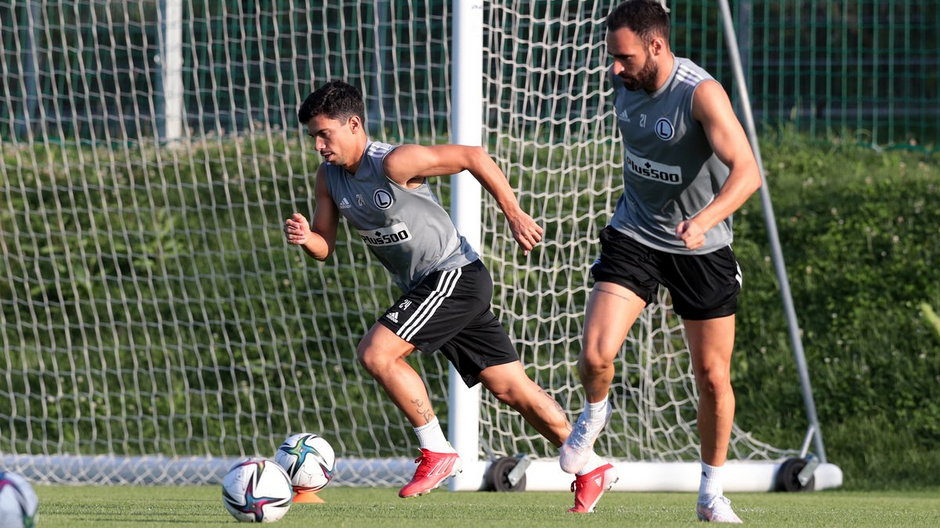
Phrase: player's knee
(503, 392)
(714, 381)
(507, 396)
(371, 359)
(592, 362)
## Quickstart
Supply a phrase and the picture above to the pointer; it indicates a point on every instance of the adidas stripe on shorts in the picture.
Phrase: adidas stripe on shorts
(450, 311)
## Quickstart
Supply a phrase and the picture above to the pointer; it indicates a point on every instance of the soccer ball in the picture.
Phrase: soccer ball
(308, 459)
(256, 490)
(18, 502)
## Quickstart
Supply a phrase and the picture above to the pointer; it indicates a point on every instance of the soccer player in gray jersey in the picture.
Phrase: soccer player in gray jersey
(381, 191)
(687, 168)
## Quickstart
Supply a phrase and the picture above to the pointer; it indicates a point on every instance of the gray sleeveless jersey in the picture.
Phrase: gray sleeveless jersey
(407, 229)
(670, 172)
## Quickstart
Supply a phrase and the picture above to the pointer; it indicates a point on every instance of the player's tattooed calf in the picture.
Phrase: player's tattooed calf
(426, 412)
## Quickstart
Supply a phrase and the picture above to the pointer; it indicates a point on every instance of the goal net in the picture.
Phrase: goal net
(551, 126)
(154, 325)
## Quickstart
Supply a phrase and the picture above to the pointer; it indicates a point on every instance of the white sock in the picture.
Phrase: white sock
(597, 411)
(593, 463)
(710, 487)
(432, 438)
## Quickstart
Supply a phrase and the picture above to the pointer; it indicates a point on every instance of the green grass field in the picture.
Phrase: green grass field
(139, 507)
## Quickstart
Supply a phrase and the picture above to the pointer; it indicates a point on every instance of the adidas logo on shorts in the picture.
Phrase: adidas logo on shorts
(393, 316)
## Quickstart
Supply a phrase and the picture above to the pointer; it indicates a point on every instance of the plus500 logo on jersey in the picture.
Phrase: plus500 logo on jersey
(386, 236)
(653, 171)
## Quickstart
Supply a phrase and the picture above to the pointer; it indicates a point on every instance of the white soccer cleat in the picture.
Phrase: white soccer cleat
(577, 449)
(717, 510)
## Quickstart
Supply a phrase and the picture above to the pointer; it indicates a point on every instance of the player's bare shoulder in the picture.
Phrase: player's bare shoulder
(404, 164)
(409, 165)
(710, 100)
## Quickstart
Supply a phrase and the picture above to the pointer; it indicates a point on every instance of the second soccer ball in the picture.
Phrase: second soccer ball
(256, 490)
(308, 459)
(18, 502)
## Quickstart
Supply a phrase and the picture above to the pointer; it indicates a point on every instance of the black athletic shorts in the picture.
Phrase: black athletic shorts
(702, 286)
(450, 311)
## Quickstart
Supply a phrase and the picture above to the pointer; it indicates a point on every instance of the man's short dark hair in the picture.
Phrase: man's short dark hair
(336, 100)
(647, 18)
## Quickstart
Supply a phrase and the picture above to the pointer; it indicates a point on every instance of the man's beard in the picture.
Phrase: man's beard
(645, 78)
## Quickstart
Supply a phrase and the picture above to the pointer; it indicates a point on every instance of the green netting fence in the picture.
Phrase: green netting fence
(91, 70)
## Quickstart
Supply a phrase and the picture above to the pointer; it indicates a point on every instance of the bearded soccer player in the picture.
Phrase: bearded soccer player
(687, 168)
(381, 190)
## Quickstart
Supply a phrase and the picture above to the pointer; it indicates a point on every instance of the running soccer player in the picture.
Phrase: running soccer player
(687, 168)
(380, 189)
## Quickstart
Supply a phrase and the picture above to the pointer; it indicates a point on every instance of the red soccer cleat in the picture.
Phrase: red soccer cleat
(432, 469)
(589, 487)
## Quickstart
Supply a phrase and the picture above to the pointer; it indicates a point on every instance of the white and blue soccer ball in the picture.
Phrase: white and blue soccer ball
(308, 459)
(256, 490)
(18, 502)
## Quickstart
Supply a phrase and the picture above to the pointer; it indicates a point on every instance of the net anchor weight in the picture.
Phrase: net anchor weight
(796, 474)
(507, 474)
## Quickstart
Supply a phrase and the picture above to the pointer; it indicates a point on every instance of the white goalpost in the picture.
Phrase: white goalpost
(466, 210)
(154, 326)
